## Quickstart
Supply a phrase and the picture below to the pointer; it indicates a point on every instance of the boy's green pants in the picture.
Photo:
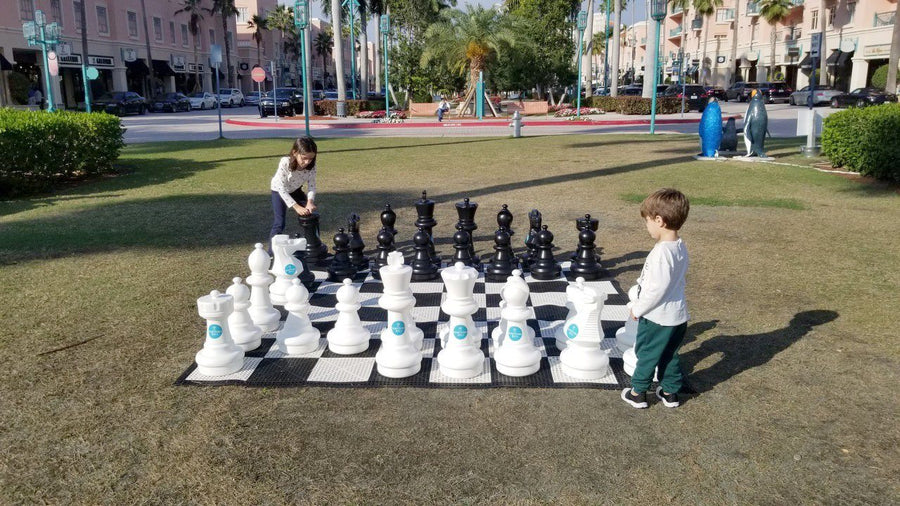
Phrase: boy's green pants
(656, 346)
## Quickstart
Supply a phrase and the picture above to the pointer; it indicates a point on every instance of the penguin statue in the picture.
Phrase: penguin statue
(756, 124)
(728, 144)
(711, 129)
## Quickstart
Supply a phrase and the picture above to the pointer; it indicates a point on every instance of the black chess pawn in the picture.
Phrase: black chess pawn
(466, 212)
(504, 220)
(385, 241)
(545, 266)
(462, 245)
(585, 263)
(426, 221)
(357, 246)
(423, 269)
(534, 228)
(388, 218)
(581, 224)
(341, 267)
(503, 261)
(316, 251)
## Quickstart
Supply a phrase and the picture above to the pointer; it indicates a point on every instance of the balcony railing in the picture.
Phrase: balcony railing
(697, 24)
(884, 18)
(724, 15)
(791, 43)
(752, 9)
(797, 3)
(675, 32)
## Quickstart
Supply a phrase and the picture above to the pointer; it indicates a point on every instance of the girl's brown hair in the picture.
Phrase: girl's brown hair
(302, 146)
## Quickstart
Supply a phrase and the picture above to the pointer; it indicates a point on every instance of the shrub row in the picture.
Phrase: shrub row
(41, 148)
(329, 107)
(635, 105)
(865, 140)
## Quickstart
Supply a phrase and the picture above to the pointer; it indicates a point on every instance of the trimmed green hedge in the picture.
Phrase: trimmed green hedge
(41, 148)
(329, 107)
(635, 105)
(865, 140)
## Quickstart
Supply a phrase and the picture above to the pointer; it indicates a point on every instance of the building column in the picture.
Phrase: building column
(745, 68)
(120, 81)
(208, 80)
(802, 78)
(859, 73)
(169, 83)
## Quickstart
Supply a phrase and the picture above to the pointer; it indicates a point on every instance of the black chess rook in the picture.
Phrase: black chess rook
(316, 251)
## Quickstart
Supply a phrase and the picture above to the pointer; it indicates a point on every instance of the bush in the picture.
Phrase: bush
(40, 148)
(879, 78)
(329, 107)
(865, 140)
(635, 105)
(18, 87)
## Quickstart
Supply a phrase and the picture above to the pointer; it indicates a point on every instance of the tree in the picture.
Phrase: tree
(598, 45)
(706, 8)
(281, 19)
(774, 12)
(617, 27)
(894, 59)
(147, 42)
(258, 24)
(194, 10)
(545, 34)
(338, 49)
(586, 51)
(323, 45)
(227, 10)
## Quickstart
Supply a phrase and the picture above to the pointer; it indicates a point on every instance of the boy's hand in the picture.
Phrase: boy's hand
(631, 315)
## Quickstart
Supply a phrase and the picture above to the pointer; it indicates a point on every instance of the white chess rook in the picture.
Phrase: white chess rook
(219, 356)
(286, 266)
(583, 358)
(500, 331)
(297, 336)
(348, 336)
(574, 296)
(516, 355)
(244, 332)
(626, 335)
(461, 355)
(264, 315)
(398, 356)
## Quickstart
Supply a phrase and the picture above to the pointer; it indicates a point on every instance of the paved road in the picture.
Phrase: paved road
(203, 125)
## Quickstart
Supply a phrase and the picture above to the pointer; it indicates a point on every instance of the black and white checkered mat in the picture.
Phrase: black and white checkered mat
(267, 367)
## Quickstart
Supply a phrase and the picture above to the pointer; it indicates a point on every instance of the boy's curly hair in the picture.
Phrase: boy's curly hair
(669, 204)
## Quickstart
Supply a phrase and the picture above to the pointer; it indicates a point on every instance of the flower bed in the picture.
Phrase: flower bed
(572, 111)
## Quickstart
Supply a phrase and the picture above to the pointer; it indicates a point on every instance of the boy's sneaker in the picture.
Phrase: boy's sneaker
(637, 401)
(668, 400)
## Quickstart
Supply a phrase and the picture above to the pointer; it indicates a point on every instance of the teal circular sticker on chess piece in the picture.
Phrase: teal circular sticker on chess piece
(515, 333)
(215, 331)
(290, 269)
(398, 328)
(460, 332)
(572, 331)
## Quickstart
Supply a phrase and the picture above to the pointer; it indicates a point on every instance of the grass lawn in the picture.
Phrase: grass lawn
(792, 344)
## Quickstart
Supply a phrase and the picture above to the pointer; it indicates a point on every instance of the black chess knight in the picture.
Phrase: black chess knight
(534, 223)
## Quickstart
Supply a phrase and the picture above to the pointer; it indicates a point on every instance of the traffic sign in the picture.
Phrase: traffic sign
(92, 73)
(215, 54)
(816, 44)
(258, 74)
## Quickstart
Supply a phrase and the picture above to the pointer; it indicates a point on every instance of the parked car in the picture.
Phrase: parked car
(862, 97)
(171, 102)
(631, 91)
(252, 98)
(776, 91)
(231, 97)
(331, 95)
(822, 95)
(121, 103)
(716, 91)
(695, 96)
(740, 91)
(203, 100)
(290, 102)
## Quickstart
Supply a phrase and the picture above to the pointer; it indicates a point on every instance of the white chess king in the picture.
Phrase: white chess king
(516, 355)
(286, 267)
(398, 356)
(219, 356)
(348, 336)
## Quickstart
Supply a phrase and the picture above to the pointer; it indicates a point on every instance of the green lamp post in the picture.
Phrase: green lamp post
(301, 21)
(38, 33)
(350, 5)
(385, 29)
(658, 13)
(581, 23)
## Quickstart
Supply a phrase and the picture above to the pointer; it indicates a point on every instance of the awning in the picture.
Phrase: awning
(138, 66)
(806, 63)
(833, 58)
(162, 69)
(844, 58)
(692, 69)
(4, 63)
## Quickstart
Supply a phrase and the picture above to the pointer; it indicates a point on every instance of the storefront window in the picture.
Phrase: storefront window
(157, 29)
(102, 20)
(132, 24)
(56, 12)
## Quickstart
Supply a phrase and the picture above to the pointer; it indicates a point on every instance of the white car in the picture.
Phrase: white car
(203, 100)
(231, 97)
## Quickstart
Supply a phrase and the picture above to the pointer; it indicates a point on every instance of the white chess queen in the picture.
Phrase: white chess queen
(461, 355)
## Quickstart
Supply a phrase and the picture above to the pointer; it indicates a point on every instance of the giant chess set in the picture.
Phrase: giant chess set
(305, 318)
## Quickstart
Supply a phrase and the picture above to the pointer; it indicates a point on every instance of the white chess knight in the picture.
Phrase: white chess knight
(461, 355)
(219, 356)
(348, 336)
(297, 336)
(498, 333)
(244, 332)
(583, 358)
(574, 297)
(398, 356)
(626, 335)
(261, 311)
(286, 266)
(517, 355)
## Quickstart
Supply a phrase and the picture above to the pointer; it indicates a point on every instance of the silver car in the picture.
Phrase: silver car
(822, 95)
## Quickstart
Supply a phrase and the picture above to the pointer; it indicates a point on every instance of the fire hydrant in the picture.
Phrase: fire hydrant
(516, 124)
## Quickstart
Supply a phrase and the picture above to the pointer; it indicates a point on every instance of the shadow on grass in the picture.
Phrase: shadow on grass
(742, 352)
(611, 140)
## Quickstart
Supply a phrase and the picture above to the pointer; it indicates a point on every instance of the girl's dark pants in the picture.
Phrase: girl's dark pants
(656, 346)
(279, 209)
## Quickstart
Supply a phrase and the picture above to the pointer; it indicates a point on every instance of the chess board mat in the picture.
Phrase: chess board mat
(268, 367)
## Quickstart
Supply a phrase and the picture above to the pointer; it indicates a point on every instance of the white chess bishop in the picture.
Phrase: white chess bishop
(574, 298)
(286, 267)
(583, 358)
(297, 336)
(244, 332)
(398, 356)
(516, 355)
(219, 356)
(461, 355)
(264, 315)
(348, 336)
(500, 331)
(626, 335)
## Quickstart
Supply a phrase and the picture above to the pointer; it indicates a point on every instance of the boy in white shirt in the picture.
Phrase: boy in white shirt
(660, 307)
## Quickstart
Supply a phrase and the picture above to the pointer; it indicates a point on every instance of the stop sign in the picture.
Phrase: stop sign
(258, 74)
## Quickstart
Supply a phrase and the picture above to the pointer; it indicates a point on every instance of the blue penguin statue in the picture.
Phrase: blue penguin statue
(729, 137)
(756, 124)
(711, 129)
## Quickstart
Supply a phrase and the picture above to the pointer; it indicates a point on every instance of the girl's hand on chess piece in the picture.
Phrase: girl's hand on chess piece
(311, 206)
(302, 211)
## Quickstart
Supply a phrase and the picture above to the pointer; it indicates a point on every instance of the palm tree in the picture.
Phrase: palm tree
(364, 49)
(598, 45)
(258, 23)
(774, 12)
(194, 9)
(338, 49)
(614, 63)
(588, 38)
(227, 10)
(281, 19)
(894, 59)
(706, 8)
(323, 46)
(377, 8)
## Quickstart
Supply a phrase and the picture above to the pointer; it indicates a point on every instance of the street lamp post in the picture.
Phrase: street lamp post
(658, 13)
(301, 21)
(385, 31)
(581, 24)
(606, 81)
(36, 33)
(350, 5)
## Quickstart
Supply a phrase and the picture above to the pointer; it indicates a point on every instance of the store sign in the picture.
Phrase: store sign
(101, 61)
(720, 59)
(193, 67)
(877, 51)
(129, 54)
(63, 49)
(178, 63)
(72, 60)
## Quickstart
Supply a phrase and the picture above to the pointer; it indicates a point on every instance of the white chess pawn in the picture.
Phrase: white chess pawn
(461, 355)
(219, 356)
(264, 315)
(517, 354)
(297, 336)
(397, 357)
(245, 334)
(574, 296)
(286, 267)
(626, 335)
(583, 358)
(498, 333)
(348, 336)
(629, 362)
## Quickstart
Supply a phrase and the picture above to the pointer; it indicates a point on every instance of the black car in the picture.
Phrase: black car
(121, 103)
(862, 97)
(716, 91)
(290, 102)
(740, 91)
(776, 91)
(631, 91)
(171, 102)
(695, 96)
